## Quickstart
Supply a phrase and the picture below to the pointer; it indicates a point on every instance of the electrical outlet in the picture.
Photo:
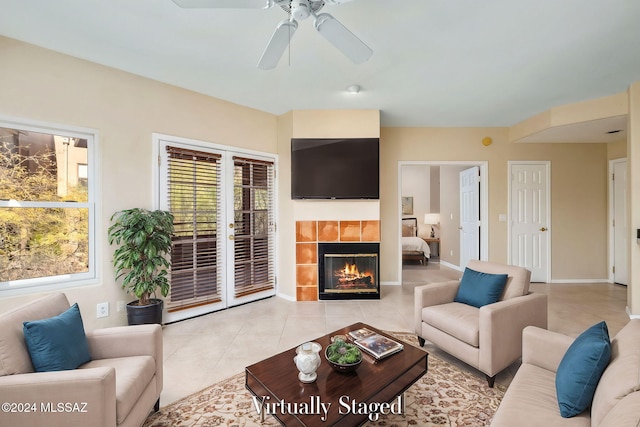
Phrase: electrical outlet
(120, 306)
(102, 309)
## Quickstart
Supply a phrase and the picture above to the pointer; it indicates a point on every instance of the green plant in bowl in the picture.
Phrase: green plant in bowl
(343, 356)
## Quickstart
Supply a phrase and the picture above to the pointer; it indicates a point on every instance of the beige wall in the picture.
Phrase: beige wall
(633, 165)
(336, 124)
(287, 232)
(416, 183)
(435, 189)
(579, 112)
(617, 150)
(578, 193)
(38, 84)
(316, 124)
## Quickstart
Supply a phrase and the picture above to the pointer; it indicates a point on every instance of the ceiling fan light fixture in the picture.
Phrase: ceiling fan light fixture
(277, 44)
(300, 9)
(343, 39)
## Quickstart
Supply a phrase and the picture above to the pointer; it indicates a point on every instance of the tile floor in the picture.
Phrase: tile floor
(199, 352)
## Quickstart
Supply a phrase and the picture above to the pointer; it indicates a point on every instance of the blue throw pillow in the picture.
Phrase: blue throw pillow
(581, 368)
(58, 343)
(478, 289)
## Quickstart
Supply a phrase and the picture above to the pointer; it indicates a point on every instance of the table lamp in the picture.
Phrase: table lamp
(432, 219)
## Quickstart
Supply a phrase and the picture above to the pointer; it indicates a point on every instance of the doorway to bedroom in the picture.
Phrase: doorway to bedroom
(444, 206)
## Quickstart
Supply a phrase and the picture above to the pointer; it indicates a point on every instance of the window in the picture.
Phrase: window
(46, 206)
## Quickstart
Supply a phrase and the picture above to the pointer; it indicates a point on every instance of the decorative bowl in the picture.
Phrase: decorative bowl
(343, 367)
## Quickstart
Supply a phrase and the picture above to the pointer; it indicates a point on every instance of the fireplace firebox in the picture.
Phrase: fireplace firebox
(348, 271)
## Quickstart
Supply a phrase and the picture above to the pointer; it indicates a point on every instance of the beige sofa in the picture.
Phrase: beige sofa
(530, 400)
(120, 386)
(488, 338)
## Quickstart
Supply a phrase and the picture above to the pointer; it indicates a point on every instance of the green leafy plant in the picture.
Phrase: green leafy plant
(144, 240)
(343, 353)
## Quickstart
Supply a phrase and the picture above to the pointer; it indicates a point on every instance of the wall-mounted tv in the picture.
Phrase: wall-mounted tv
(347, 168)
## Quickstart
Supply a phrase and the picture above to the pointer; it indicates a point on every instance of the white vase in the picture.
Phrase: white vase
(307, 360)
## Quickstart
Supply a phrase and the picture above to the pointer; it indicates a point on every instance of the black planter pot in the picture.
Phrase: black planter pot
(145, 314)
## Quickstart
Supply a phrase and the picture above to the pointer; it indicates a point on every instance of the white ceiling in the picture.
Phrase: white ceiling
(435, 62)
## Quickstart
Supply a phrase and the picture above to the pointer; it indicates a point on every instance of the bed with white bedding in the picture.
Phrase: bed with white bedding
(414, 248)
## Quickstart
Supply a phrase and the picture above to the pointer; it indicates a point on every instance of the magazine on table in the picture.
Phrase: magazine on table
(375, 344)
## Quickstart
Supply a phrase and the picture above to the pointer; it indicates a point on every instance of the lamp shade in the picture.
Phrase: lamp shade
(432, 218)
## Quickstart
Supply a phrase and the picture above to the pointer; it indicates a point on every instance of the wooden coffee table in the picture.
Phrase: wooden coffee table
(374, 382)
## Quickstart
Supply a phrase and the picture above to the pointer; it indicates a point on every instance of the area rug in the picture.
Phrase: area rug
(445, 396)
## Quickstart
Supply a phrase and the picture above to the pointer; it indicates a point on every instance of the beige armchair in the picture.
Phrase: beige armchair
(120, 386)
(488, 338)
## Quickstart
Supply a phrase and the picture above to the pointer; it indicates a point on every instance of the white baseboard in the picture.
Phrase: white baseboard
(631, 316)
(449, 265)
(585, 281)
(390, 283)
(285, 296)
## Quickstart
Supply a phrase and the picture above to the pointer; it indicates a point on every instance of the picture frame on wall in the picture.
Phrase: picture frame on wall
(407, 205)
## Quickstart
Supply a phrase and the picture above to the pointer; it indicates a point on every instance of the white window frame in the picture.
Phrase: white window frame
(64, 281)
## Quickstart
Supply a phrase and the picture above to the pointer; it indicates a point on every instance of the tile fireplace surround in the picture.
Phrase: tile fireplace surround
(309, 233)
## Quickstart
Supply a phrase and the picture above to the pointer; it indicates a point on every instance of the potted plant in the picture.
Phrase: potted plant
(144, 241)
(343, 356)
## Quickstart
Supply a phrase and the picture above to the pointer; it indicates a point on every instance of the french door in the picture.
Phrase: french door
(223, 250)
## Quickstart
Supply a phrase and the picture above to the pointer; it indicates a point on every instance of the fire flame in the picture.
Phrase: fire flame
(351, 271)
(350, 277)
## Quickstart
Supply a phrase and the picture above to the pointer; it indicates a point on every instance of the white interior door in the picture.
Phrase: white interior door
(620, 229)
(469, 215)
(530, 218)
(223, 251)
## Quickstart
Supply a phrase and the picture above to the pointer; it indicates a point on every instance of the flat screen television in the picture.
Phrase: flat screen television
(347, 168)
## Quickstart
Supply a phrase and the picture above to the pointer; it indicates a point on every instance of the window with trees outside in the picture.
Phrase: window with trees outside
(46, 206)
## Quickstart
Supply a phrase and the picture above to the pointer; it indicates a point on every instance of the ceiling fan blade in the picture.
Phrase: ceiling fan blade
(343, 39)
(221, 4)
(277, 44)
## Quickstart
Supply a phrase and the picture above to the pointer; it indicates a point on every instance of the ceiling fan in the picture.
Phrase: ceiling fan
(329, 27)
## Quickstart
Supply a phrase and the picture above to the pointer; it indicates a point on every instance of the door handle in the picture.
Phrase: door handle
(459, 228)
(543, 229)
(231, 237)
